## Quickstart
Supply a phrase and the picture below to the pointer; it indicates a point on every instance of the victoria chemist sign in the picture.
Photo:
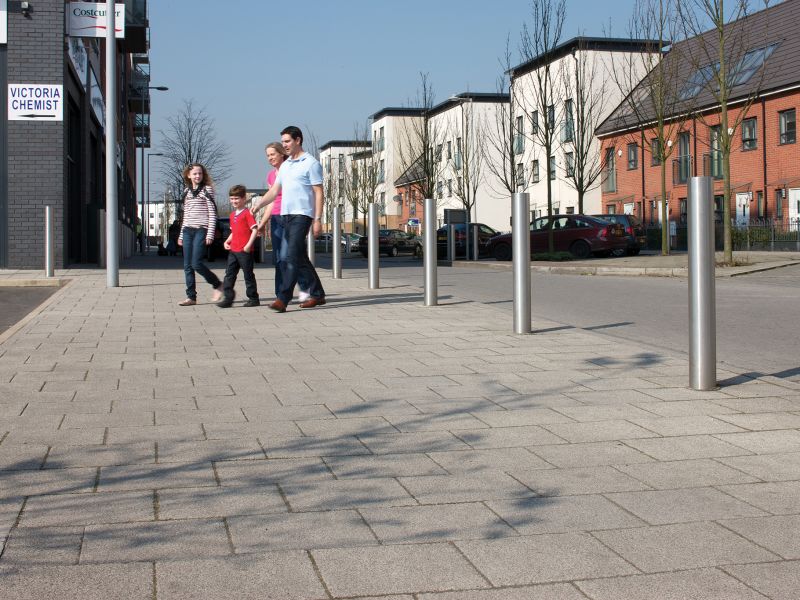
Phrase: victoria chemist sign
(35, 102)
(88, 19)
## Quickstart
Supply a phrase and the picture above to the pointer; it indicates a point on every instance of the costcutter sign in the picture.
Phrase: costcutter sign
(35, 102)
(88, 19)
(3, 21)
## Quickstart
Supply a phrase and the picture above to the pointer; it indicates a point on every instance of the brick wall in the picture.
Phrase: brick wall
(35, 149)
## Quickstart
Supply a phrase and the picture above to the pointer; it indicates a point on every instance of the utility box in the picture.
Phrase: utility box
(455, 216)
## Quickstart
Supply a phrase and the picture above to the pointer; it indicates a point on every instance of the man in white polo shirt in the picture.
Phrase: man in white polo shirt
(300, 181)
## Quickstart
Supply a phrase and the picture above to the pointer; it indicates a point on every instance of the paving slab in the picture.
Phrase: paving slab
(569, 482)
(493, 459)
(700, 584)
(685, 473)
(772, 467)
(102, 582)
(439, 489)
(87, 509)
(384, 465)
(776, 580)
(272, 576)
(210, 502)
(555, 591)
(543, 558)
(396, 570)
(27, 546)
(589, 454)
(779, 498)
(776, 534)
(345, 493)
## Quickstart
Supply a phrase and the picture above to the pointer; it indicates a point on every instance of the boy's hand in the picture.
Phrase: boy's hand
(227, 245)
(247, 248)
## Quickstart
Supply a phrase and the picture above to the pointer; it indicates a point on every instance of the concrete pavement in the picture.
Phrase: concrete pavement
(377, 448)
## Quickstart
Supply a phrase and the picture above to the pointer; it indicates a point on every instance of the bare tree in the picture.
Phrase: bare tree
(499, 131)
(538, 41)
(310, 142)
(586, 85)
(653, 103)
(191, 137)
(362, 180)
(468, 160)
(420, 147)
(721, 59)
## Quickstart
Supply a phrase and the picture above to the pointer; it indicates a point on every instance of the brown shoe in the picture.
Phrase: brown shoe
(278, 306)
(187, 302)
(312, 302)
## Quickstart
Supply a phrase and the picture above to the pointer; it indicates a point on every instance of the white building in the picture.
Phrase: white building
(391, 137)
(600, 63)
(336, 157)
(463, 125)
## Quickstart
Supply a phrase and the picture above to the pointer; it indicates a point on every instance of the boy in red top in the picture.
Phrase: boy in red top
(240, 245)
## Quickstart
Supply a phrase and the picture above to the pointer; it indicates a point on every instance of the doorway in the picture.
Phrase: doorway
(743, 208)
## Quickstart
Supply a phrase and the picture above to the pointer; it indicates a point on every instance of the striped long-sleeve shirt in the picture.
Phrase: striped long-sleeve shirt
(200, 211)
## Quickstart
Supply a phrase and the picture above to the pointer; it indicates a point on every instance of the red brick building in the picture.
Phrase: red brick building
(765, 157)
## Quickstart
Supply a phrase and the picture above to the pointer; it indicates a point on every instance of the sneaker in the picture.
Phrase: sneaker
(303, 296)
(216, 295)
(250, 303)
(224, 303)
(187, 302)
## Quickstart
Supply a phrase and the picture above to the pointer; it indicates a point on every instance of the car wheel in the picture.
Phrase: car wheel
(393, 251)
(417, 251)
(580, 249)
(502, 252)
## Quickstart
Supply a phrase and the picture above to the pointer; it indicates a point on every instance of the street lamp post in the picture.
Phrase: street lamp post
(146, 224)
(142, 88)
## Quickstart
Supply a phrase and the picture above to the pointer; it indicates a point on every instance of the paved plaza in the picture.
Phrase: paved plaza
(376, 448)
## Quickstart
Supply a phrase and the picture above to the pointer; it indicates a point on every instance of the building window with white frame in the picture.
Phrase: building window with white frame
(439, 189)
(535, 122)
(449, 188)
(551, 117)
(749, 134)
(449, 150)
(551, 168)
(458, 154)
(788, 126)
(520, 176)
(381, 171)
(569, 121)
(519, 136)
(535, 171)
(569, 160)
(633, 156)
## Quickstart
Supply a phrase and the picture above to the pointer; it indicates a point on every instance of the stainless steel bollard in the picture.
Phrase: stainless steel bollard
(451, 242)
(429, 253)
(521, 248)
(310, 245)
(373, 247)
(336, 268)
(476, 240)
(702, 292)
(101, 238)
(49, 243)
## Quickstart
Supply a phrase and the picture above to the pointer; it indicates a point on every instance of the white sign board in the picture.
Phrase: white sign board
(88, 19)
(3, 21)
(35, 102)
(79, 57)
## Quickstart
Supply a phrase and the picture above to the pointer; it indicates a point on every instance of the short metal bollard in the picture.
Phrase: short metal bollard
(49, 243)
(336, 268)
(702, 291)
(373, 246)
(310, 245)
(430, 254)
(451, 242)
(521, 247)
(476, 240)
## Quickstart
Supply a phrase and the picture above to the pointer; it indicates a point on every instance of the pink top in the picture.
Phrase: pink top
(276, 206)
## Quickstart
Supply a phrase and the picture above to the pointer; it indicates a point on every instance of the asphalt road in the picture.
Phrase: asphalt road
(16, 302)
(758, 315)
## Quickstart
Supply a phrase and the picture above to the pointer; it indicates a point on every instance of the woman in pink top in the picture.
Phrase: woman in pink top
(275, 157)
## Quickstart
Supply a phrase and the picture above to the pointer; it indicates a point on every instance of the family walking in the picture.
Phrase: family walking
(296, 195)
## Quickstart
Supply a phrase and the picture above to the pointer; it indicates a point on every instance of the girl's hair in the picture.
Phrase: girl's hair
(207, 181)
(278, 147)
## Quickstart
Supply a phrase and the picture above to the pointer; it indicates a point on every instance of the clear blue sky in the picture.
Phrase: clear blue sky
(257, 66)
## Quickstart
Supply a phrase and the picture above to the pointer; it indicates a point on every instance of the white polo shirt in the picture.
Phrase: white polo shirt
(296, 176)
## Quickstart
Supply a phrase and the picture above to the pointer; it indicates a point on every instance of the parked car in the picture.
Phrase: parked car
(485, 233)
(217, 249)
(393, 242)
(354, 238)
(580, 235)
(635, 232)
(324, 242)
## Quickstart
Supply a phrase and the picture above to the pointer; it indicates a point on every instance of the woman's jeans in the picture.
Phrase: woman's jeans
(194, 249)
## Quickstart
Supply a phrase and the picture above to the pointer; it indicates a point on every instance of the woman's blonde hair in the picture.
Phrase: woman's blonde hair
(207, 181)
(278, 147)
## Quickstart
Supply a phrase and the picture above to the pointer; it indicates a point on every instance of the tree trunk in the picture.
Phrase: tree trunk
(664, 211)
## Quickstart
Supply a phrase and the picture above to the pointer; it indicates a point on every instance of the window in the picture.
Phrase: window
(569, 121)
(438, 155)
(381, 173)
(551, 168)
(458, 154)
(535, 171)
(519, 140)
(761, 205)
(570, 210)
(569, 159)
(737, 75)
(611, 209)
(449, 188)
(535, 122)
(633, 156)
(749, 135)
(779, 203)
(152, 215)
(439, 190)
(788, 126)
(610, 171)
(449, 150)
(715, 156)
(551, 117)
(341, 187)
(655, 152)
(520, 176)
(341, 163)
(682, 205)
(718, 199)
(380, 141)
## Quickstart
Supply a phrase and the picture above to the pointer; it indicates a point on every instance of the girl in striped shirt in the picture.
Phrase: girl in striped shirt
(199, 226)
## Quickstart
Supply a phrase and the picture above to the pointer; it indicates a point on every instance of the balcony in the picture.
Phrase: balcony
(712, 164)
(139, 94)
(141, 130)
(137, 39)
(681, 169)
(609, 181)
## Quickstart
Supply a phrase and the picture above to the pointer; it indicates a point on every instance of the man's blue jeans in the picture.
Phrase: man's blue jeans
(194, 249)
(293, 259)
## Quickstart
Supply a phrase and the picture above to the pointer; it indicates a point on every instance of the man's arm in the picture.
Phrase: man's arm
(318, 201)
(267, 198)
